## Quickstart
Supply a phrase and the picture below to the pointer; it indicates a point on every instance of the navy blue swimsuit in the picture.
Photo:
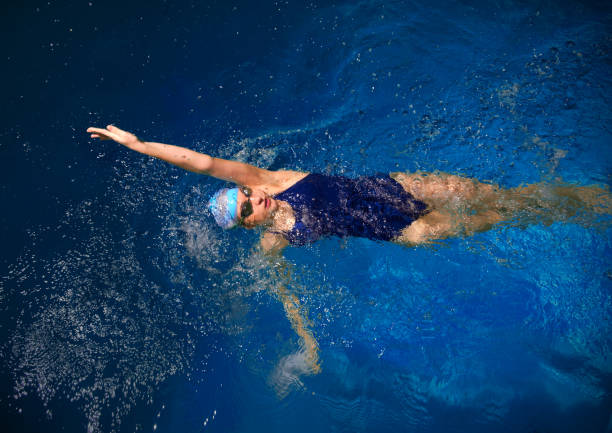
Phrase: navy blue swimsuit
(373, 207)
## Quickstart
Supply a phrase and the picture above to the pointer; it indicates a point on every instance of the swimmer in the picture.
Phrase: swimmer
(295, 207)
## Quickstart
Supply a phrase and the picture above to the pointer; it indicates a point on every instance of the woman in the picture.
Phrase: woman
(297, 207)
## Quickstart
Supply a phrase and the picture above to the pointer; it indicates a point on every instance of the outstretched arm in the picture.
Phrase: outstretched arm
(233, 171)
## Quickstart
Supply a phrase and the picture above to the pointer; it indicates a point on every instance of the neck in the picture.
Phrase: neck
(283, 217)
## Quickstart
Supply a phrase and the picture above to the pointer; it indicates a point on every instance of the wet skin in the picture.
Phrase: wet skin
(264, 208)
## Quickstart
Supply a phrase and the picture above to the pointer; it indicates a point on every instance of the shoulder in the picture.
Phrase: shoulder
(279, 181)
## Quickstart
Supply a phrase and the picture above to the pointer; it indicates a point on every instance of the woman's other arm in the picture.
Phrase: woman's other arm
(272, 243)
(308, 354)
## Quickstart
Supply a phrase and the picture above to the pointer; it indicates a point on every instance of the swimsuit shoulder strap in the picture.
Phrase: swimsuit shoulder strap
(292, 194)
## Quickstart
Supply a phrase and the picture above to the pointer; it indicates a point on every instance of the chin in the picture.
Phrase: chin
(273, 205)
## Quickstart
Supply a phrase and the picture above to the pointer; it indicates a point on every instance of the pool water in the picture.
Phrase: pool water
(124, 308)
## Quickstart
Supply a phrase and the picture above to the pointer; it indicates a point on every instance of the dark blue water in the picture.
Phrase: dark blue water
(124, 308)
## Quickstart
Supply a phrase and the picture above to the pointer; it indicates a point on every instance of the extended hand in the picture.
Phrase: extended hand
(113, 133)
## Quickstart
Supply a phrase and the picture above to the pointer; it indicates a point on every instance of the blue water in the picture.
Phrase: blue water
(124, 308)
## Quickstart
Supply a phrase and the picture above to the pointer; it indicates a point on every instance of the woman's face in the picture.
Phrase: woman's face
(263, 205)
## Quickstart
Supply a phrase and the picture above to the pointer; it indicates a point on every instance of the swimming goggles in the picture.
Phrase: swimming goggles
(246, 209)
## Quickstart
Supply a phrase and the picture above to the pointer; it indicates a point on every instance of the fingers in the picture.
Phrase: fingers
(109, 128)
(111, 132)
(113, 128)
(100, 133)
(101, 137)
(93, 130)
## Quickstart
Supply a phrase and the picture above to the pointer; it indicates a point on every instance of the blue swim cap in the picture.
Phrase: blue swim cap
(223, 206)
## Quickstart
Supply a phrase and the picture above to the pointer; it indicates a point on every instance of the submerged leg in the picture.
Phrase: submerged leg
(433, 226)
(546, 203)
(460, 206)
(447, 191)
(438, 225)
(463, 206)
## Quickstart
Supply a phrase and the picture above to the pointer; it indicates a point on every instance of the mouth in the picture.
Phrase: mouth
(267, 203)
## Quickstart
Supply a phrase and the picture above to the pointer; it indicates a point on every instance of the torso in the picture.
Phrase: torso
(315, 205)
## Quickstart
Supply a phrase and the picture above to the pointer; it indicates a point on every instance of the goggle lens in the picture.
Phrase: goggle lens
(246, 209)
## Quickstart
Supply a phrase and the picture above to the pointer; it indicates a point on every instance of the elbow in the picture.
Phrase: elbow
(203, 164)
